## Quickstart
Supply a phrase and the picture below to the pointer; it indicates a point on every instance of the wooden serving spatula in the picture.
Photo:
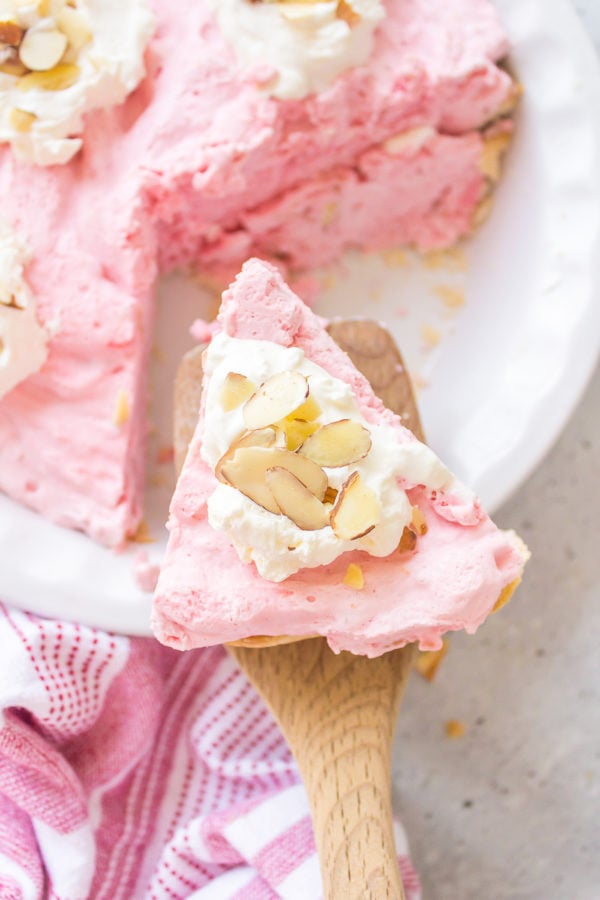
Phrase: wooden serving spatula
(337, 712)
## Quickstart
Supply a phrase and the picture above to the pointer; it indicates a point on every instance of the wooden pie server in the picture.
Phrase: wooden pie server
(337, 712)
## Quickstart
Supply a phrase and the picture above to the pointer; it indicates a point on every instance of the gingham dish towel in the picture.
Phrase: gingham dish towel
(128, 770)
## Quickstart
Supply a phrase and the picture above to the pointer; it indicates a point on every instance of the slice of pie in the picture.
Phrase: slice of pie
(305, 507)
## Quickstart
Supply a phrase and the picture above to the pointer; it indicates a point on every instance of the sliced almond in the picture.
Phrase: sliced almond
(337, 444)
(292, 9)
(296, 501)
(275, 399)
(75, 27)
(11, 33)
(246, 471)
(59, 78)
(14, 67)
(235, 391)
(262, 437)
(356, 511)
(42, 48)
(70, 55)
(21, 120)
(8, 299)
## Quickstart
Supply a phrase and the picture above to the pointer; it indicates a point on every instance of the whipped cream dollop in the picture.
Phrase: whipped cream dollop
(276, 545)
(60, 59)
(300, 47)
(23, 341)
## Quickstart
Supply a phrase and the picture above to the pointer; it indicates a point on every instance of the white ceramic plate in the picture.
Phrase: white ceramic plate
(510, 364)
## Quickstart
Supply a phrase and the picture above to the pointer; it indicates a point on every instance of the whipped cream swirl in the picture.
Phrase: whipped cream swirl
(298, 48)
(276, 545)
(60, 59)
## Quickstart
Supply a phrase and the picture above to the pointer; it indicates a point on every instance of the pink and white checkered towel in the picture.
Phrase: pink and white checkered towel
(128, 770)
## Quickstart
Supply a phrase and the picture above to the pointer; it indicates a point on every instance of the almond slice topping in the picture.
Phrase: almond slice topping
(246, 471)
(236, 389)
(262, 437)
(42, 48)
(61, 77)
(356, 511)
(275, 399)
(337, 444)
(21, 120)
(11, 33)
(296, 501)
(13, 66)
(74, 26)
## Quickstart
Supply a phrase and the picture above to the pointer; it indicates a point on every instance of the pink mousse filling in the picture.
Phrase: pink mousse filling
(200, 167)
(206, 595)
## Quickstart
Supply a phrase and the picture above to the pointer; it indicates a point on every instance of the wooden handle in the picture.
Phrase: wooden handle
(337, 712)
(338, 715)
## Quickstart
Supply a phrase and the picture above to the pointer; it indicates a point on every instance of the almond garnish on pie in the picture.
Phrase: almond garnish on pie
(235, 391)
(336, 444)
(246, 471)
(261, 437)
(356, 511)
(275, 399)
(296, 501)
(279, 462)
(42, 48)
